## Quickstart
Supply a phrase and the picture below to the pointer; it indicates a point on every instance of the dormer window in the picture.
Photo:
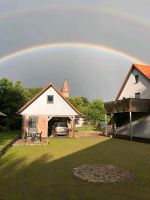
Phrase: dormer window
(136, 78)
(50, 99)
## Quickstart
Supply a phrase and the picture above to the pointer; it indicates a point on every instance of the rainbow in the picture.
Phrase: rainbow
(73, 45)
(104, 10)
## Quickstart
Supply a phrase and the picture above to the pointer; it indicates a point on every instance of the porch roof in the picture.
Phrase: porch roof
(128, 105)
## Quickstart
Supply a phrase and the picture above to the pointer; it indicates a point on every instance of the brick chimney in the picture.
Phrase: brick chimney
(65, 89)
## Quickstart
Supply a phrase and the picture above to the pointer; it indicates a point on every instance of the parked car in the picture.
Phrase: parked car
(60, 128)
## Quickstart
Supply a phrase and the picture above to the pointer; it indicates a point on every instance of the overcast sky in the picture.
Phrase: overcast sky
(92, 72)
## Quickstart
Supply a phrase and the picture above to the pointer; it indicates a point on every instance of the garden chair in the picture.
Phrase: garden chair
(34, 136)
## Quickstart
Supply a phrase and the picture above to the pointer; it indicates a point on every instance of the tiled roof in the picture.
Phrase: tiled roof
(145, 69)
(41, 92)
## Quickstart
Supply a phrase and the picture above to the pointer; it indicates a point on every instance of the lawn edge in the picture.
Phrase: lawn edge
(8, 146)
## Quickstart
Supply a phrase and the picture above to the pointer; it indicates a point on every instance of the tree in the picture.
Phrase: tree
(80, 103)
(95, 111)
(12, 97)
(33, 91)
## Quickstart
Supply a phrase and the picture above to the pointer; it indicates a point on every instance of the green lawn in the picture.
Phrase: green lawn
(6, 137)
(45, 172)
(85, 128)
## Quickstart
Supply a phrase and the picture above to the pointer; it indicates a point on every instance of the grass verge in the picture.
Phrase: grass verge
(6, 137)
(85, 128)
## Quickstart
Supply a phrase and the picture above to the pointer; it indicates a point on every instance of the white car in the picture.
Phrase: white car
(60, 128)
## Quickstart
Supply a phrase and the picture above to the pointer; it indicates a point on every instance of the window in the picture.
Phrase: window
(136, 78)
(137, 95)
(77, 121)
(33, 121)
(50, 99)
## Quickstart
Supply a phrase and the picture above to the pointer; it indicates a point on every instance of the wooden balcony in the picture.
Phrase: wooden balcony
(128, 105)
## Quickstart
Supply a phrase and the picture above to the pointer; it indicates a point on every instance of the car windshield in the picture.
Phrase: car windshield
(61, 124)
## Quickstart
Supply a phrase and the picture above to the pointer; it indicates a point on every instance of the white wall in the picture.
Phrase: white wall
(143, 86)
(41, 107)
(140, 127)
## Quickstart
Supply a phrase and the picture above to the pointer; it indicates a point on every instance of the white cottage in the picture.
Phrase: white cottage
(48, 104)
(131, 110)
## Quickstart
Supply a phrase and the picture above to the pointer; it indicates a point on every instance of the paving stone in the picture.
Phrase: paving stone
(102, 173)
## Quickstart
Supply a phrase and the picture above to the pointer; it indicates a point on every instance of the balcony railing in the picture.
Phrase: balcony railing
(128, 105)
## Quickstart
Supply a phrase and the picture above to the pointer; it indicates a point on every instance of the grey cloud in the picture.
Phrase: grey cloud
(100, 72)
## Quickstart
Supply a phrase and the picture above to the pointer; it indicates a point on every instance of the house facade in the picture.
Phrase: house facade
(131, 110)
(48, 104)
(136, 84)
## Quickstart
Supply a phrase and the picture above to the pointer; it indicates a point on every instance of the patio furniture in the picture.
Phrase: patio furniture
(34, 136)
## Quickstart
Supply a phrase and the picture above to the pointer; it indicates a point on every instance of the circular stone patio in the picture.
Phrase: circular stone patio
(102, 173)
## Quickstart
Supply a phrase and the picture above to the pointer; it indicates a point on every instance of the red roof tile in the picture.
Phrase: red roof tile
(145, 69)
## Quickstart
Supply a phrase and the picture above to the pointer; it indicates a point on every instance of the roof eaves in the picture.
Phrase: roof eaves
(137, 66)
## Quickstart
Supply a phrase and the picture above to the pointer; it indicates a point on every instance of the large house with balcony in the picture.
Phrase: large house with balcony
(130, 112)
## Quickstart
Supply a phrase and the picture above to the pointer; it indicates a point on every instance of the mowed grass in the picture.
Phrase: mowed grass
(85, 128)
(45, 172)
(6, 137)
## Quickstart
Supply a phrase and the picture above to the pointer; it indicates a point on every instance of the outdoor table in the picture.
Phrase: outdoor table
(33, 136)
